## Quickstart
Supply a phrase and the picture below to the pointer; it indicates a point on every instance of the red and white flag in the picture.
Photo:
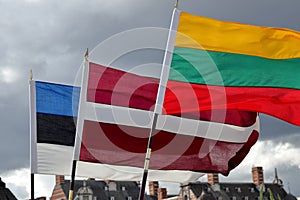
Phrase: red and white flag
(115, 116)
(116, 112)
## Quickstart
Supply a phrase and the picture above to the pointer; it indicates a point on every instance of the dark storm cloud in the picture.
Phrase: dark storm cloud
(275, 13)
(272, 128)
(50, 38)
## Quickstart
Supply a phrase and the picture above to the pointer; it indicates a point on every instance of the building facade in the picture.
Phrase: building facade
(92, 189)
(215, 190)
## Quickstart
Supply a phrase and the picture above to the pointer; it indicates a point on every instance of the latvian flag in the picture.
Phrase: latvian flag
(115, 116)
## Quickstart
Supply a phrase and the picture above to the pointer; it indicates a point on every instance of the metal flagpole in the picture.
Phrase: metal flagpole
(160, 95)
(32, 116)
(32, 186)
(176, 4)
(72, 182)
(147, 159)
(74, 164)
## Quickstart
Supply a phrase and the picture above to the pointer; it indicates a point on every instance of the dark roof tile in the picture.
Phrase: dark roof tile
(238, 190)
(100, 191)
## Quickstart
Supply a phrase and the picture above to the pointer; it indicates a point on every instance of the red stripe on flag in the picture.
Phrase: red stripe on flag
(185, 98)
(123, 145)
(115, 87)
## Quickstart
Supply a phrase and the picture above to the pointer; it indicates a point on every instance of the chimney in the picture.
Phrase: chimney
(59, 179)
(153, 186)
(257, 175)
(213, 178)
(161, 193)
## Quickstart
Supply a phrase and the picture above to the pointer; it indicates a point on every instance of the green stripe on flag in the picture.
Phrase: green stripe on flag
(218, 68)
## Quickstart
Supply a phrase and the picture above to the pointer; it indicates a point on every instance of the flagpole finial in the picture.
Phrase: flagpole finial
(31, 75)
(86, 55)
(176, 4)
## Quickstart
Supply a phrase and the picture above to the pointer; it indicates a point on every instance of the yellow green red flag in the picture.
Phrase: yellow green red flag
(227, 65)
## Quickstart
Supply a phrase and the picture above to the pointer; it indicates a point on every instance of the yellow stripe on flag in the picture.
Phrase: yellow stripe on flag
(204, 33)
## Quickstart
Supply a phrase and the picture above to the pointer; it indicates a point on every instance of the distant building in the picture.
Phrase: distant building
(92, 189)
(5, 193)
(214, 190)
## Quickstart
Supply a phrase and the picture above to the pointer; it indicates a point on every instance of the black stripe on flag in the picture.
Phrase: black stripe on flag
(56, 129)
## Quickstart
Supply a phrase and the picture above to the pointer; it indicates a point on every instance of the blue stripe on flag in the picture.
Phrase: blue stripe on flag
(57, 99)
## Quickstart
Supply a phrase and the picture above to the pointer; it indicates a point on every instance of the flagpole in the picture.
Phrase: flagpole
(32, 132)
(72, 182)
(74, 164)
(160, 94)
(147, 158)
(176, 4)
(32, 186)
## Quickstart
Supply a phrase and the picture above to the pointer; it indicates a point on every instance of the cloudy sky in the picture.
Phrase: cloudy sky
(50, 37)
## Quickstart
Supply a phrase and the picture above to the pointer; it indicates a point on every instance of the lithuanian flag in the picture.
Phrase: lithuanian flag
(225, 65)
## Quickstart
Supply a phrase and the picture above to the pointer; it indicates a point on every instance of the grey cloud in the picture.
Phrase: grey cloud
(265, 13)
(272, 128)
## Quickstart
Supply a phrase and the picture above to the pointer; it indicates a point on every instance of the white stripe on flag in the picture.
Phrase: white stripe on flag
(206, 129)
(140, 118)
(57, 159)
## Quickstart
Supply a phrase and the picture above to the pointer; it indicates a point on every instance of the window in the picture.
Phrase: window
(129, 198)
(246, 198)
(112, 198)
(233, 198)
(227, 189)
(239, 190)
(86, 197)
(112, 186)
(123, 188)
(252, 190)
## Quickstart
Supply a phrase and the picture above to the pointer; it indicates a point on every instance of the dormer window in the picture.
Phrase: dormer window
(112, 186)
(84, 193)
